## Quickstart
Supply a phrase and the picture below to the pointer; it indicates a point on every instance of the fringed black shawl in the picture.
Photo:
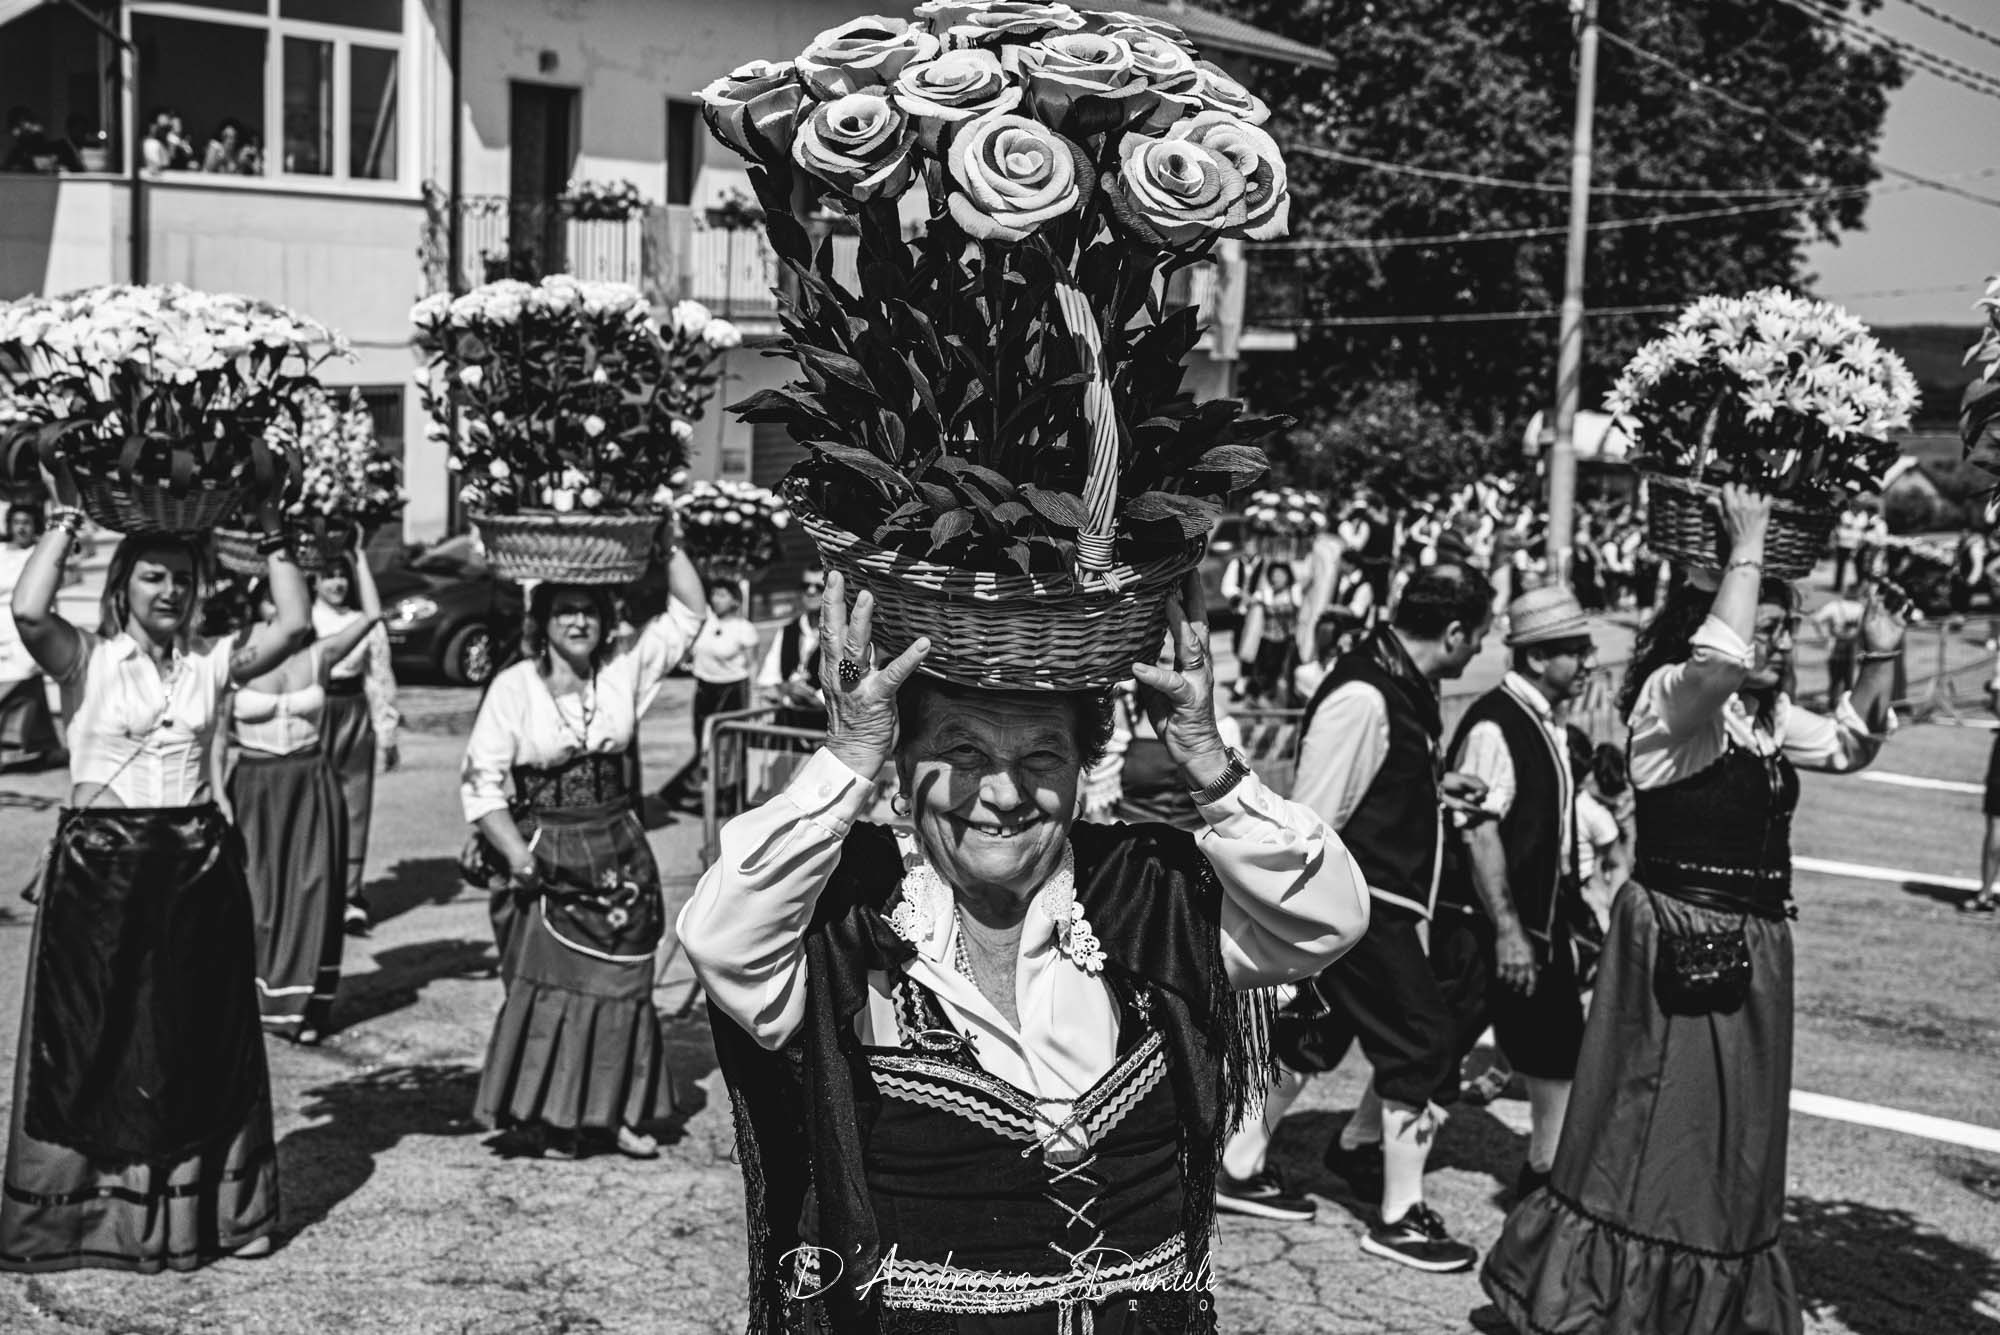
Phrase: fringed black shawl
(1155, 906)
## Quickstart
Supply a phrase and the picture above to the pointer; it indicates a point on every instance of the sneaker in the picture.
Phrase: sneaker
(1262, 1195)
(1360, 1168)
(356, 922)
(1419, 1240)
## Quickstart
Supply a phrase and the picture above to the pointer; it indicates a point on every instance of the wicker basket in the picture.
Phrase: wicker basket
(313, 551)
(147, 507)
(1006, 632)
(1682, 524)
(569, 548)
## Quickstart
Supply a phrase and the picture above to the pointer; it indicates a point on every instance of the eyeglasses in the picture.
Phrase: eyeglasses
(813, 586)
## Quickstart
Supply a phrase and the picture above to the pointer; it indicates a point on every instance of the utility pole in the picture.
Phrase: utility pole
(1569, 351)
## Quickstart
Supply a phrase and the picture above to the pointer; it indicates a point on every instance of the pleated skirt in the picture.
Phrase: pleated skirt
(140, 1137)
(347, 735)
(294, 828)
(1664, 1206)
(577, 1044)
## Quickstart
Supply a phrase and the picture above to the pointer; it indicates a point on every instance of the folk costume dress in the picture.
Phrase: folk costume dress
(288, 807)
(913, 1161)
(1663, 1210)
(577, 1044)
(360, 718)
(141, 1129)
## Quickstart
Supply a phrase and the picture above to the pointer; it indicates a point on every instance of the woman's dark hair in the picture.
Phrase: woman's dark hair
(1608, 767)
(338, 568)
(541, 605)
(1090, 712)
(1667, 638)
(1579, 750)
(709, 586)
(32, 511)
(114, 607)
(1439, 596)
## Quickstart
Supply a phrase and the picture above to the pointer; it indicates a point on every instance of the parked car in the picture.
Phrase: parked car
(448, 615)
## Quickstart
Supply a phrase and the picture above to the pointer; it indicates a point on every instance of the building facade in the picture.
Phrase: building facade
(322, 154)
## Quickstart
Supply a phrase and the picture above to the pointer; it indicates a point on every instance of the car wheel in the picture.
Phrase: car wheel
(469, 656)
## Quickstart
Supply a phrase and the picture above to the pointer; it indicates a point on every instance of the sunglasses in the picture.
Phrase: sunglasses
(813, 586)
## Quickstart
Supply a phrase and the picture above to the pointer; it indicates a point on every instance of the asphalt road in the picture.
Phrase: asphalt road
(398, 1217)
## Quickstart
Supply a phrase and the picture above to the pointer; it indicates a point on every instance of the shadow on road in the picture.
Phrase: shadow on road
(1472, 1140)
(402, 972)
(359, 1118)
(1882, 1272)
(411, 882)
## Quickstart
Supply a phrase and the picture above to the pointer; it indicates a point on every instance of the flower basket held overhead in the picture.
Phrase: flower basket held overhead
(1784, 393)
(340, 486)
(1283, 521)
(158, 399)
(730, 529)
(575, 407)
(999, 448)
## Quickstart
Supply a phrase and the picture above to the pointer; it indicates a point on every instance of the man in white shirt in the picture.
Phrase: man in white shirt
(1369, 767)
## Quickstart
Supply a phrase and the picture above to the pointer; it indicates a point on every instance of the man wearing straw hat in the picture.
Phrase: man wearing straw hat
(1501, 936)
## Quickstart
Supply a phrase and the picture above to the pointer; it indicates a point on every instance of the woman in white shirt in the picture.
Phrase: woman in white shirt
(285, 800)
(141, 1135)
(359, 722)
(1663, 1210)
(576, 1052)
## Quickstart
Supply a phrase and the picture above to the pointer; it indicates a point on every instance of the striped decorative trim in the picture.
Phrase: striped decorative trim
(926, 1286)
(944, 1088)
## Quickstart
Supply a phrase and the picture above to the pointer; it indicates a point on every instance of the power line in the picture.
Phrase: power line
(1537, 233)
(1924, 59)
(1794, 193)
(1953, 21)
(1551, 313)
(1702, 85)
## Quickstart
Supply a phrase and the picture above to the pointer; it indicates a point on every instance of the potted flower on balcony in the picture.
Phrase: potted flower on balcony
(734, 212)
(730, 529)
(602, 201)
(340, 487)
(999, 447)
(159, 399)
(574, 408)
(1791, 395)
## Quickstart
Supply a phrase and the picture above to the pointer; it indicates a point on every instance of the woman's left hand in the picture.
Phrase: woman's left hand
(1180, 701)
(1881, 629)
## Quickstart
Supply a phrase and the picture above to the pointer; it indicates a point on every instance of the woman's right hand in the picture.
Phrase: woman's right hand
(1746, 519)
(860, 702)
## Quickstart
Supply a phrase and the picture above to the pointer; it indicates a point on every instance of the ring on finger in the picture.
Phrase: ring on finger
(850, 673)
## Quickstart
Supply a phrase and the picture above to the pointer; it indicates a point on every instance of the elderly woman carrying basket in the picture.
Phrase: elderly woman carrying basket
(984, 1066)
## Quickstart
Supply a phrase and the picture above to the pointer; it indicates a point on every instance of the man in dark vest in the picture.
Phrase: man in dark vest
(789, 679)
(1501, 938)
(1369, 766)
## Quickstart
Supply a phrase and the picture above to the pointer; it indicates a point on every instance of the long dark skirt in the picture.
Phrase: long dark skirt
(27, 728)
(577, 1044)
(1662, 1212)
(141, 1129)
(347, 735)
(295, 849)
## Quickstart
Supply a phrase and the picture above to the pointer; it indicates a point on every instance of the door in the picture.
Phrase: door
(541, 156)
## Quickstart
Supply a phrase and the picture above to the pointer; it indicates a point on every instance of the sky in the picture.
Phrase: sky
(1925, 239)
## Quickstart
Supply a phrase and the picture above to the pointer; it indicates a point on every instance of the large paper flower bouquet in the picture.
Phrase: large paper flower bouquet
(1000, 448)
(1284, 520)
(157, 398)
(574, 407)
(1788, 394)
(1979, 416)
(730, 529)
(341, 486)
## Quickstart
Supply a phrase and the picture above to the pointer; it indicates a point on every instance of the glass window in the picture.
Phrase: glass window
(308, 107)
(380, 15)
(258, 7)
(371, 114)
(201, 95)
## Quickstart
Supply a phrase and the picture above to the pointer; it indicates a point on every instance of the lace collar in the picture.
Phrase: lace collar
(924, 911)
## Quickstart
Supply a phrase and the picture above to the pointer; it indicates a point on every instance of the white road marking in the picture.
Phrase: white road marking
(1859, 872)
(1918, 781)
(1895, 1119)
(1983, 724)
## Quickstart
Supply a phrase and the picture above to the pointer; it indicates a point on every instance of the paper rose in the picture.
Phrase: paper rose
(1216, 91)
(859, 144)
(753, 108)
(1174, 192)
(956, 87)
(862, 53)
(1123, 23)
(1267, 199)
(1067, 67)
(1170, 75)
(1014, 174)
(979, 22)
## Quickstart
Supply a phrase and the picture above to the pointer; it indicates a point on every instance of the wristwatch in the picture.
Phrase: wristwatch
(1225, 783)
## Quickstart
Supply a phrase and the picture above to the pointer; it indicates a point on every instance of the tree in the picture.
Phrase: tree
(1388, 438)
(1486, 88)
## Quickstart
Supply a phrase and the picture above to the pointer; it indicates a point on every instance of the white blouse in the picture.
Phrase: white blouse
(1689, 713)
(143, 734)
(279, 723)
(368, 660)
(522, 723)
(1293, 902)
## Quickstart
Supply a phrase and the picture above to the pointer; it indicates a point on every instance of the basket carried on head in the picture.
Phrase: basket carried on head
(148, 507)
(1006, 632)
(568, 548)
(313, 551)
(1684, 524)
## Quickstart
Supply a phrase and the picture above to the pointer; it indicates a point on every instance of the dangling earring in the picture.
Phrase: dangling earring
(900, 804)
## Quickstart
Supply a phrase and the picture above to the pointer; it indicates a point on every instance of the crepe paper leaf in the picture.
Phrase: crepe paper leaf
(836, 368)
(1196, 516)
(1022, 556)
(1010, 514)
(1062, 508)
(865, 463)
(949, 527)
(995, 483)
